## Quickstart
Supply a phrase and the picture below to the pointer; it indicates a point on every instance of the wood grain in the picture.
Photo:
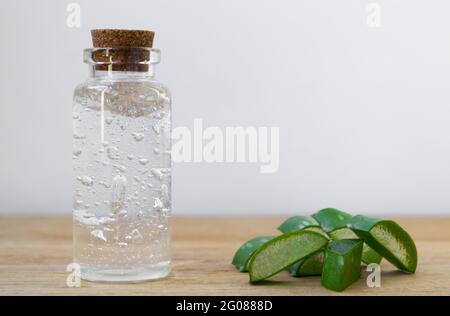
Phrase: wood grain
(34, 253)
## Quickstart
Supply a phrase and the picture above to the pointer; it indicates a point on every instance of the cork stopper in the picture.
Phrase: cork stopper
(115, 38)
(126, 52)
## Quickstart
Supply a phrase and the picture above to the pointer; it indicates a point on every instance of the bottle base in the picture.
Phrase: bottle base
(125, 275)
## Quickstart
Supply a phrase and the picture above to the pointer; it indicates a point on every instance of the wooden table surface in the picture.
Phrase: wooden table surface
(34, 253)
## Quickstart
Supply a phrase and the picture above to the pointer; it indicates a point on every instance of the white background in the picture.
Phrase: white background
(364, 113)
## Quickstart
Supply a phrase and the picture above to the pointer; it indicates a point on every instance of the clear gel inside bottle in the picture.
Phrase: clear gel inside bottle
(122, 168)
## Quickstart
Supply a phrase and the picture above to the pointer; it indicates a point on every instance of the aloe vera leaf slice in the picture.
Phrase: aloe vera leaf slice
(389, 239)
(244, 253)
(368, 255)
(297, 222)
(331, 219)
(313, 264)
(309, 266)
(342, 264)
(318, 230)
(282, 251)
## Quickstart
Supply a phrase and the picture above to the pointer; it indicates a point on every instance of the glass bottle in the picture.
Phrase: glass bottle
(122, 167)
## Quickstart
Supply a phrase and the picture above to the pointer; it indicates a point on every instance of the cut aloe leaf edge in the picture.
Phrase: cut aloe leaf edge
(283, 251)
(388, 239)
(368, 256)
(243, 254)
(310, 266)
(342, 264)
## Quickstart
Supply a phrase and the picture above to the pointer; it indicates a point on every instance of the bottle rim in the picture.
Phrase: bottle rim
(121, 56)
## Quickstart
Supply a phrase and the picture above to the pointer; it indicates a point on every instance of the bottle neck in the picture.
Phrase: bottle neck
(121, 74)
(122, 62)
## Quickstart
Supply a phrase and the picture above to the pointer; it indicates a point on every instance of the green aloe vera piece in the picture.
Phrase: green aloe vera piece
(313, 264)
(331, 219)
(388, 239)
(309, 266)
(301, 222)
(368, 255)
(244, 253)
(342, 264)
(297, 222)
(283, 251)
(335, 222)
